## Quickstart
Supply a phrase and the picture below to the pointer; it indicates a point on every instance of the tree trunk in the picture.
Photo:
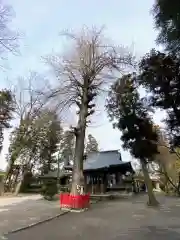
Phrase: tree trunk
(58, 173)
(18, 187)
(78, 177)
(179, 184)
(166, 175)
(1, 185)
(21, 182)
(152, 200)
(5, 178)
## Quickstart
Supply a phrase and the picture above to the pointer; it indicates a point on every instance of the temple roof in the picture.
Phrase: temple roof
(104, 159)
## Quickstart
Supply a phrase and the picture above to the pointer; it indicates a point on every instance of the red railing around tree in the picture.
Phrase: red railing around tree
(74, 201)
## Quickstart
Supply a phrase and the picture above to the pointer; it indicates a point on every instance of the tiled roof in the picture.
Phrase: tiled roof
(103, 159)
(99, 160)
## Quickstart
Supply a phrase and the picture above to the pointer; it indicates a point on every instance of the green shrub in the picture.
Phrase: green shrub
(49, 189)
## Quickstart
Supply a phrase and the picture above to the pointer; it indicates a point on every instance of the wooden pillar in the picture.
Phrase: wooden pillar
(95, 184)
(92, 184)
(104, 183)
(116, 178)
(98, 183)
(85, 183)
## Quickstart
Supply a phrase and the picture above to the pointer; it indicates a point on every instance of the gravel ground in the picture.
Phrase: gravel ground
(21, 212)
(113, 220)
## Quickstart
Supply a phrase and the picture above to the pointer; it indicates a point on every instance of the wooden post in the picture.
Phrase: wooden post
(85, 183)
(92, 184)
(103, 183)
(98, 184)
(117, 177)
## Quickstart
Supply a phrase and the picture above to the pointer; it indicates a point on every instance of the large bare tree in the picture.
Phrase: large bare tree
(29, 105)
(9, 43)
(29, 97)
(82, 73)
(8, 37)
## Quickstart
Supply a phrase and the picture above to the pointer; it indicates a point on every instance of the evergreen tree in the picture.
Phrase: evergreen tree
(92, 145)
(51, 131)
(160, 75)
(67, 147)
(130, 116)
(167, 21)
(7, 107)
(34, 142)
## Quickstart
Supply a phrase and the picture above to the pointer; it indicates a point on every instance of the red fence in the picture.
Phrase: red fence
(74, 202)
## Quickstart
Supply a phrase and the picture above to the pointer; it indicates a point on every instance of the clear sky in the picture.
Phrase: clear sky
(127, 22)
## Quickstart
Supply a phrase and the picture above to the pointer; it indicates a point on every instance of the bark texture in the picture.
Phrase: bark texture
(152, 199)
(78, 177)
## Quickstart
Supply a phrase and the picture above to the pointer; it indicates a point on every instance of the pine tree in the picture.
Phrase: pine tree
(7, 107)
(167, 21)
(160, 75)
(51, 134)
(67, 147)
(130, 116)
(92, 145)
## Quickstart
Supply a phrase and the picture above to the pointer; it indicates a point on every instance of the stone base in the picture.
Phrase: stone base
(74, 210)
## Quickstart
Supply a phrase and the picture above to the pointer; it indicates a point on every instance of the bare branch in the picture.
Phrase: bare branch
(88, 64)
(8, 38)
(28, 99)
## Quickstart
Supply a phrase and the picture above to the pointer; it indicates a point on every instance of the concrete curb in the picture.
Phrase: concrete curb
(35, 224)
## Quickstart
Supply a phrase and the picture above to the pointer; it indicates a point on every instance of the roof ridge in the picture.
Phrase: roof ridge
(106, 151)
